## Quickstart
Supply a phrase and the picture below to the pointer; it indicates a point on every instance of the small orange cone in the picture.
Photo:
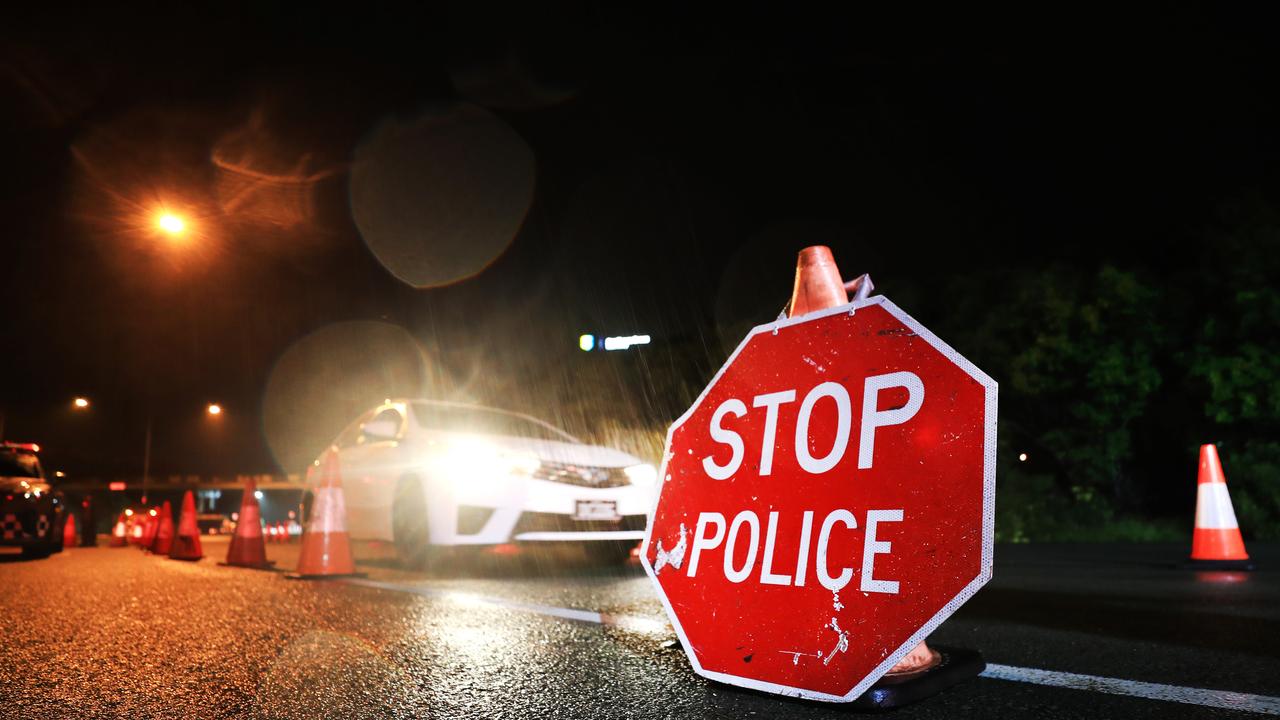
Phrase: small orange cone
(247, 543)
(70, 538)
(326, 547)
(118, 538)
(150, 525)
(1216, 543)
(186, 544)
(818, 285)
(164, 531)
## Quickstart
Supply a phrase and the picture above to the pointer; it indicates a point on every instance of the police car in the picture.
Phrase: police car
(31, 511)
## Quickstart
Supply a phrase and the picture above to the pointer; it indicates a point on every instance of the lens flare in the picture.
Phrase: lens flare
(439, 197)
(326, 379)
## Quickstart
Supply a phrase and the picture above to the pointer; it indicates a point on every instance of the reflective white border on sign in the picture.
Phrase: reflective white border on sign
(988, 504)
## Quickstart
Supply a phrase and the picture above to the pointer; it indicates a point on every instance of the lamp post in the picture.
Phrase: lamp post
(146, 460)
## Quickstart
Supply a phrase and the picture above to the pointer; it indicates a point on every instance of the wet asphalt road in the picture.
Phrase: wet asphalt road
(100, 632)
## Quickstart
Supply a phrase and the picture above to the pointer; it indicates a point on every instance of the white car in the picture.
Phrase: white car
(426, 474)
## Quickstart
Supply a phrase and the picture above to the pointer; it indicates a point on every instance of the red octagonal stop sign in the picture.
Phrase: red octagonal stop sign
(826, 503)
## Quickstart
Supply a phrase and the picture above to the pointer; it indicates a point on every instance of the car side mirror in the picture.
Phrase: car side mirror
(380, 429)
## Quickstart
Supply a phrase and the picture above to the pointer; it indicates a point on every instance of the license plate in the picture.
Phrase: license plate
(596, 510)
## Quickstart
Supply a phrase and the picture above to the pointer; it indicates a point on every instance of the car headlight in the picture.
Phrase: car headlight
(644, 475)
(469, 459)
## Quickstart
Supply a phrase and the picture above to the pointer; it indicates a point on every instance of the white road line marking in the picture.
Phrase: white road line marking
(1224, 699)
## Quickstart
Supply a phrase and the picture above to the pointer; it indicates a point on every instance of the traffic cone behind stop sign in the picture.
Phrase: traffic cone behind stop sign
(818, 285)
(164, 530)
(1216, 542)
(186, 544)
(247, 546)
(326, 548)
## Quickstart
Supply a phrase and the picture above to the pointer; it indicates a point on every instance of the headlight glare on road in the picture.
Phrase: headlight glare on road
(644, 475)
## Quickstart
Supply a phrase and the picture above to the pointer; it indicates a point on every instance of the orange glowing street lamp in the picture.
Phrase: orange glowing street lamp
(171, 224)
(214, 409)
(80, 403)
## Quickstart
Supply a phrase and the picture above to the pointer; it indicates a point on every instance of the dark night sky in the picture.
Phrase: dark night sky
(681, 160)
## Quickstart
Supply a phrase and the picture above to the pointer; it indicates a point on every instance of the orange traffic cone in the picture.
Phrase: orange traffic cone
(247, 548)
(186, 544)
(326, 548)
(282, 533)
(150, 529)
(164, 531)
(1216, 543)
(818, 285)
(70, 538)
(118, 538)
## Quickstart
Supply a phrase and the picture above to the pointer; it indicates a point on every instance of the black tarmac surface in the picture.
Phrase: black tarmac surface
(101, 632)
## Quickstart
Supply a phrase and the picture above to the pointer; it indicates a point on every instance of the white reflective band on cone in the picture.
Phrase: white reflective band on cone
(330, 511)
(1213, 507)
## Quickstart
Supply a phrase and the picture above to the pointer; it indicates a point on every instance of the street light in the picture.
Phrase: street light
(214, 409)
(80, 403)
(171, 224)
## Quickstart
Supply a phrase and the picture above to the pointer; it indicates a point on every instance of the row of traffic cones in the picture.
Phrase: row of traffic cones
(157, 534)
(326, 548)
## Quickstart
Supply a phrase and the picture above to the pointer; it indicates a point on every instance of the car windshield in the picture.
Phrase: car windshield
(19, 464)
(483, 422)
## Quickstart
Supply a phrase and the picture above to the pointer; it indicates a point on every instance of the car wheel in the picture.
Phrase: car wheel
(36, 552)
(409, 525)
(55, 540)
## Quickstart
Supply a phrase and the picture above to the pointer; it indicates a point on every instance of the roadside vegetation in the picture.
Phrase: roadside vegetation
(1111, 377)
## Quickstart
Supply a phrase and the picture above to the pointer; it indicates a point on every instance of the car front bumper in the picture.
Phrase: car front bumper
(21, 526)
(544, 511)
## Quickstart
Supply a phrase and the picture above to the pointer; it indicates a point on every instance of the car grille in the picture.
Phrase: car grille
(555, 522)
(581, 475)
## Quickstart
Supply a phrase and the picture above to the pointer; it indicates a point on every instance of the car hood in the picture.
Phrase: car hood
(14, 485)
(562, 452)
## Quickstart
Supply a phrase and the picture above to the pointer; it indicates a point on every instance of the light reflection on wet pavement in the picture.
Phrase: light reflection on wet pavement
(105, 632)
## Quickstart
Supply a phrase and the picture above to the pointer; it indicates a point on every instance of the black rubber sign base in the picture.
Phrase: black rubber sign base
(957, 665)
